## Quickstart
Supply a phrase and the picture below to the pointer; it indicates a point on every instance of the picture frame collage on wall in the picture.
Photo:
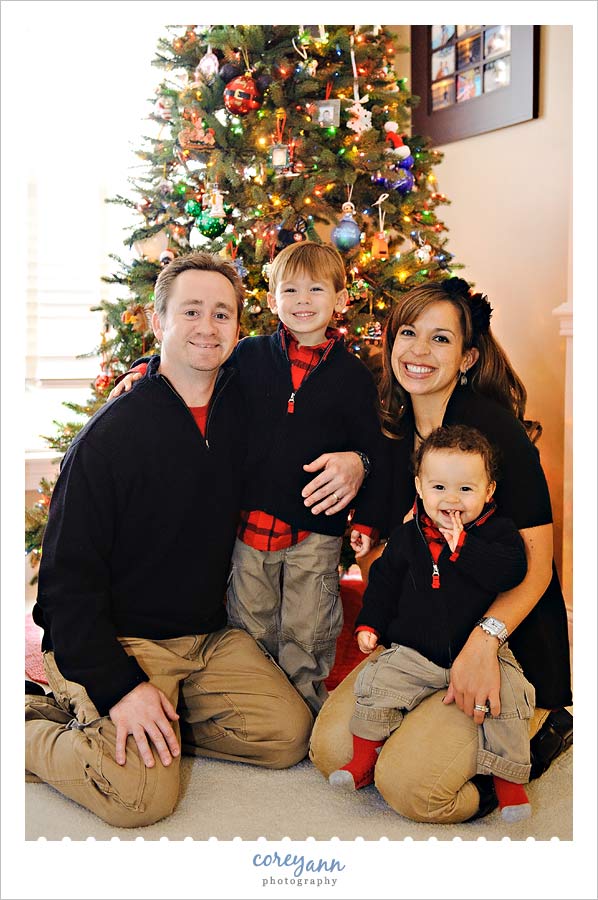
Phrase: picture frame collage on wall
(473, 78)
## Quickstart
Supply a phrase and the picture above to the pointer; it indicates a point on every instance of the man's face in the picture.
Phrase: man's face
(200, 328)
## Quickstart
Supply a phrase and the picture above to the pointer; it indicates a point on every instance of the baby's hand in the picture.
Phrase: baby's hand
(361, 543)
(125, 385)
(367, 641)
(451, 535)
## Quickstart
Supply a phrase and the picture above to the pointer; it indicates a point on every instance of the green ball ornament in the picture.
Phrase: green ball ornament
(193, 207)
(210, 226)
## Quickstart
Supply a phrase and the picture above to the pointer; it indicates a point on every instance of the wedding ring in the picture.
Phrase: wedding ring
(334, 497)
(483, 709)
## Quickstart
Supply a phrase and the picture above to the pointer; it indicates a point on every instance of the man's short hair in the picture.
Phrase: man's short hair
(199, 261)
(319, 261)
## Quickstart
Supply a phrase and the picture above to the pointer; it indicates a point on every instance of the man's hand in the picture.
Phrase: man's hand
(367, 641)
(361, 543)
(341, 476)
(125, 385)
(144, 712)
(452, 534)
(475, 677)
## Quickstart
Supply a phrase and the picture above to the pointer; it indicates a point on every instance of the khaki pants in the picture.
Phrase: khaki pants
(398, 679)
(425, 768)
(233, 703)
(289, 600)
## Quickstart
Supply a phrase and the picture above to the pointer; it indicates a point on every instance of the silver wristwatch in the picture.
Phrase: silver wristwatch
(494, 627)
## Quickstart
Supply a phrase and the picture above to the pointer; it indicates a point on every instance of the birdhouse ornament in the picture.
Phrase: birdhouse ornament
(380, 242)
(380, 246)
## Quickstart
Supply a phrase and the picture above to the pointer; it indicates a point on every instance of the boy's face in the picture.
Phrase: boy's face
(450, 480)
(305, 305)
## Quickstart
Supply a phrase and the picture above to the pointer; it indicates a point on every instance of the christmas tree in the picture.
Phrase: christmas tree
(262, 136)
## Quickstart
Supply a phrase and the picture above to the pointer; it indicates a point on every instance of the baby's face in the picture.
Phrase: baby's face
(453, 481)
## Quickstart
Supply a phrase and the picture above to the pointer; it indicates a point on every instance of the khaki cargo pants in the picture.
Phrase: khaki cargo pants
(425, 768)
(398, 679)
(289, 600)
(234, 703)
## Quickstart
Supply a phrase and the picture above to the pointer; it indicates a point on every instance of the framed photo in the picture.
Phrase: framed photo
(482, 77)
(328, 112)
(443, 63)
(469, 85)
(497, 74)
(443, 93)
(441, 35)
(497, 40)
(469, 51)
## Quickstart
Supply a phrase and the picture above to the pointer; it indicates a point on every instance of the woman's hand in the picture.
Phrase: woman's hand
(475, 676)
(361, 543)
(341, 476)
(125, 385)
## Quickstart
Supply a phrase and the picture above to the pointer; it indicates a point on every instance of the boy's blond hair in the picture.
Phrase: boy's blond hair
(319, 261)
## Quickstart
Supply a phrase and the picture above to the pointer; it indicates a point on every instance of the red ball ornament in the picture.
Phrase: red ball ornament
(241, 95)
(102, 383)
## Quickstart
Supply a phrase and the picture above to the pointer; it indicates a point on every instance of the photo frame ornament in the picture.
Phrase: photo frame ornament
(328, 112)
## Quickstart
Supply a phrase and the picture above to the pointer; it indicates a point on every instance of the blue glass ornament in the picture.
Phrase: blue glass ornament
(378, 178)
(406, 163)
(347, 233)
(404, 182)
(238, 264)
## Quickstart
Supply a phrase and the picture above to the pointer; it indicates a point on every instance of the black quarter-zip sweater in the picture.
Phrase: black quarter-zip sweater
(335, 409)
(404, 607)
(140, 531)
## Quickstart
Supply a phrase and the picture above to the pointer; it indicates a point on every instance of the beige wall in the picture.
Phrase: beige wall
(509, 223)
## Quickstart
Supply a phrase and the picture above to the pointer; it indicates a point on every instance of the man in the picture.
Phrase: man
(137, 652)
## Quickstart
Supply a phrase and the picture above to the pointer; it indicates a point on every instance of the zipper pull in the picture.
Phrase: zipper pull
(291, 403)
(435, 576)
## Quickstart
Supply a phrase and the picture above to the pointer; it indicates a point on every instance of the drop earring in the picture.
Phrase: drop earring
(463, 379)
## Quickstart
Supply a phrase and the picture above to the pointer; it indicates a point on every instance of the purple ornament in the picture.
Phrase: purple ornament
(229, 71)
(404, 182)
(378, 178)
(406, 163)
(262, 82)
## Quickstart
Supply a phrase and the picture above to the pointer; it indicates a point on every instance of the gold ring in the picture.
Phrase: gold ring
(335, 497)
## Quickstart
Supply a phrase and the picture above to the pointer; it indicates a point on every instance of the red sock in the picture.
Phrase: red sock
(512, 799)
(361, 766)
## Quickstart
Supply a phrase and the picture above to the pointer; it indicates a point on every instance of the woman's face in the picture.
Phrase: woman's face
(428, 354)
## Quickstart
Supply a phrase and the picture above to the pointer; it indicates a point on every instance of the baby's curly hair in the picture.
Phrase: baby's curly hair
(458, 437)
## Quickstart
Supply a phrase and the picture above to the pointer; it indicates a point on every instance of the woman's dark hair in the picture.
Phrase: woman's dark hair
(492, 375)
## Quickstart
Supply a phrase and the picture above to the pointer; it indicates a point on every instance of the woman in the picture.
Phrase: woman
(442, 365)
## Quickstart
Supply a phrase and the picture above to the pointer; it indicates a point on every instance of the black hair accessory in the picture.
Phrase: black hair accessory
(480, 308)
(456, 287)
(481, 313)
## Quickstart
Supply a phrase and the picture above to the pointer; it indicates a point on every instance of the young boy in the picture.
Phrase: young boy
(438, 575)
(307, 395)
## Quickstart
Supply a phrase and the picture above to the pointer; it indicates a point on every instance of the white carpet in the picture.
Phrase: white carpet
(227, 800)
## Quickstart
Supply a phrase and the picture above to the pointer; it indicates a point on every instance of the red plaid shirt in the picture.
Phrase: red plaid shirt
(261, 530)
